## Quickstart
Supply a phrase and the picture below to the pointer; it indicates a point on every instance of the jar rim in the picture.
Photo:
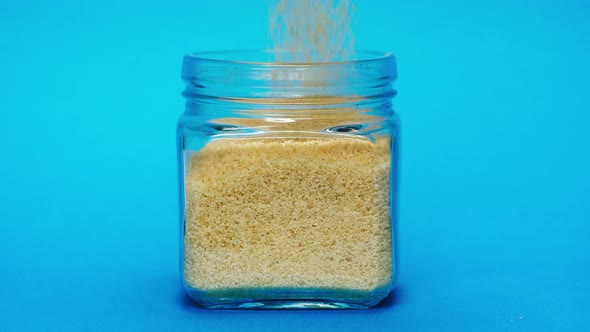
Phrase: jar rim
(244, 75)
(264, 58)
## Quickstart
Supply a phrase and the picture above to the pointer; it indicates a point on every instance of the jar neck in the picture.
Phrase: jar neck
(216, 85)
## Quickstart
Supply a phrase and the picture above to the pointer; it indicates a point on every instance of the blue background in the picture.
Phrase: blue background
(495, 186)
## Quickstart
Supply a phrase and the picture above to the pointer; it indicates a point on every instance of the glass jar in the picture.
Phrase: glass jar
(288, 181)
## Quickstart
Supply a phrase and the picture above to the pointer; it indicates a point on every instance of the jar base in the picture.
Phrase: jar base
(292, 299)
(291, 304)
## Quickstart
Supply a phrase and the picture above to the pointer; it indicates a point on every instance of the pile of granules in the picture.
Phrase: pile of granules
(289, 213)
(301, 210)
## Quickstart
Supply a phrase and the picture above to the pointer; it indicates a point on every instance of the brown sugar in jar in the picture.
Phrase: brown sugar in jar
(288, 182)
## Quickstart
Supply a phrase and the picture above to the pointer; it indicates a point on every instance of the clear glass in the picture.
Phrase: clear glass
(288, 181)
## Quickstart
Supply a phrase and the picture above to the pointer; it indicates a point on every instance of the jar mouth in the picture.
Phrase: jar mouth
(268, 58)
(242, 76)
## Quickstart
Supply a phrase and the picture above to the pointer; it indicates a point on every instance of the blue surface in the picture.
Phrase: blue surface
(495, 185)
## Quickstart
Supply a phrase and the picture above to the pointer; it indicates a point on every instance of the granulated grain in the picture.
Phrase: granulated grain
(289, 213)
(312, 30)
(287, 210)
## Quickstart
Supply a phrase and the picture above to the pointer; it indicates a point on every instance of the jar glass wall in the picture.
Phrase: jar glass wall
(288, 181)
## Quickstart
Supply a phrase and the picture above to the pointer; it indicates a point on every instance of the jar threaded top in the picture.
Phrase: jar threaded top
(254, 77)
